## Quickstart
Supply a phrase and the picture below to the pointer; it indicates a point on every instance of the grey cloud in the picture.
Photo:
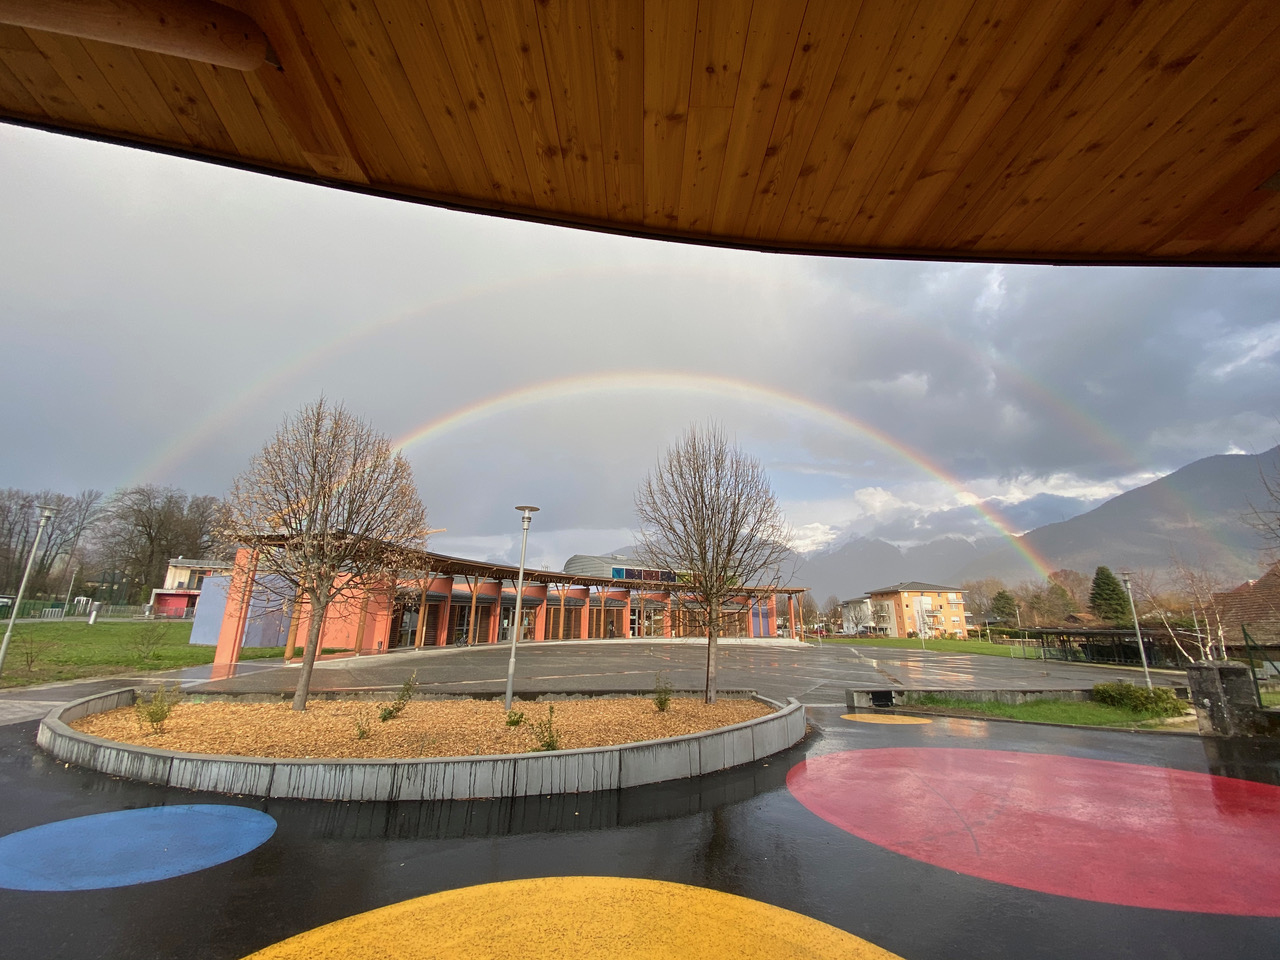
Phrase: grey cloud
(161, 316)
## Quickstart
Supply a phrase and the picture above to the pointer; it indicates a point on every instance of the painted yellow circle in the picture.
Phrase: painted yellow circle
(883, 718)
(577, 917)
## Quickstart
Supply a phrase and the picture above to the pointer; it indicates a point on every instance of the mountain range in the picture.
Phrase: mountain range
(1197, 514)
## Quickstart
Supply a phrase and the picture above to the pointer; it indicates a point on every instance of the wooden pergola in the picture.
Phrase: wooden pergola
(1051, 131)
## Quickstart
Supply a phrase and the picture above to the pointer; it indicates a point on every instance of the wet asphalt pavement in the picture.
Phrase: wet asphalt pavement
(743, 831)
(811, 674)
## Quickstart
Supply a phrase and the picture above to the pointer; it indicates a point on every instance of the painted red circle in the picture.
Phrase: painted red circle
(1093, 829)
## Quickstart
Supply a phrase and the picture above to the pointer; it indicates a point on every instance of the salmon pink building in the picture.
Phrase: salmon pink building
(468, 602)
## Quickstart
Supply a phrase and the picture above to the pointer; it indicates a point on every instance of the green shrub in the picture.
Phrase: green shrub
(149, 638)
(36, 645)
(402, 699)
(1161, 701)
(514, 718)
(544, 732)
(154, 710)
(662, 693)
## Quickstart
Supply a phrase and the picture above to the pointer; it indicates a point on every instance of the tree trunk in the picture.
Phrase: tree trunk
(713, 618)
(314, 625)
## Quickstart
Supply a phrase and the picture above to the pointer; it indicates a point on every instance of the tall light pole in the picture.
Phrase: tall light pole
(46, 514)
(518, 626)
(1124, 575)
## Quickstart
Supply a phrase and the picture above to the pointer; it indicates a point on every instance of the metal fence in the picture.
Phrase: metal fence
(1122, 650)
(57, 610)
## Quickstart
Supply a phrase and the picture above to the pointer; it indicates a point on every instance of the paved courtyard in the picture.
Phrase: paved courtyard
(917, 838)
(811, 674)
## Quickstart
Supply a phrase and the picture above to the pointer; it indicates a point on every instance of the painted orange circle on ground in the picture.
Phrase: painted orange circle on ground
(883, 718)
(577, 917)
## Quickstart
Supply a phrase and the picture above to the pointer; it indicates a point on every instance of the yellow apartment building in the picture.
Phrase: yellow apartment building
(926, 609)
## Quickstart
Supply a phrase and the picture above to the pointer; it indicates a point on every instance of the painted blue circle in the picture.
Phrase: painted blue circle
(129, 846)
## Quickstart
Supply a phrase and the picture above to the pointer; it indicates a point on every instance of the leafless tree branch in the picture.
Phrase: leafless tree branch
(707, 511)
(340, 508)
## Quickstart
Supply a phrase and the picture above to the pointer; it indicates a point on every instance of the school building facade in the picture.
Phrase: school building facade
(456, 601)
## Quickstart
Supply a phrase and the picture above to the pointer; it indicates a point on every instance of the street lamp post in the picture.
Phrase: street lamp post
(518, 626)
(1124, 575)
(46, 514)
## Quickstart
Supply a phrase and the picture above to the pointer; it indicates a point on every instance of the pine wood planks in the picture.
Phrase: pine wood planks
(1023, 129)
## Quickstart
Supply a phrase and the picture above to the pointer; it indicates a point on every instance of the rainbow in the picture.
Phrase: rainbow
(595, 385)
(255, 394)
(163, 460)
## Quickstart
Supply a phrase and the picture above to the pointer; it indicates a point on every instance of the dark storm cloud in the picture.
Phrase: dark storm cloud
(1004, 370)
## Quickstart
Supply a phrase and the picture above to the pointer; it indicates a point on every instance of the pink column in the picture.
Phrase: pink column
(446, 610)
(495, 618)
(235, 615)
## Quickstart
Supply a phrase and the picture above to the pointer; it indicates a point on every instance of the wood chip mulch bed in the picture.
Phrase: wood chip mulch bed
(425, 728)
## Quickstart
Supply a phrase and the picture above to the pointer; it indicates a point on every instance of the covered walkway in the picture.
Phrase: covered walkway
(437, 600)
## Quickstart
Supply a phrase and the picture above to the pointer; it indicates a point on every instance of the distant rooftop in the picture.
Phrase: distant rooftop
(915, 586)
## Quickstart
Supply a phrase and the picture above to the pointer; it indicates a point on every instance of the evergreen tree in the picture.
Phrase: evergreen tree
(1107, 598)
(1004, 606)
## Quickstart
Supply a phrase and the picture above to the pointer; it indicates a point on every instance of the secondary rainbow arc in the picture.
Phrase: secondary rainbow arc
(595, 385)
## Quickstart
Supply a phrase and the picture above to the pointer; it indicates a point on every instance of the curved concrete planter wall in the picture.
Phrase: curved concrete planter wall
(446, 778)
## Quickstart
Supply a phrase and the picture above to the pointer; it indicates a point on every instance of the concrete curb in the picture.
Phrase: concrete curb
(441, 778)
(985, 718)
(882, 698)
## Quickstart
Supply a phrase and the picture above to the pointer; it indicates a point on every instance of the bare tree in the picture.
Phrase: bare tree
(1154, 601)
(1202, 587)
(807, 608)
(857, 613)
(19, 517)
(333, 511)
(978, 595)
(76, 516)
(1044, 602)
(832, 615)
(1265, 518)
(1076, 584)
(147, 526)
(708, 512)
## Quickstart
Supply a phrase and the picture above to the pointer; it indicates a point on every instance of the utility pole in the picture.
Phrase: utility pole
(1125, 575)
(46, 514)
(518, 627)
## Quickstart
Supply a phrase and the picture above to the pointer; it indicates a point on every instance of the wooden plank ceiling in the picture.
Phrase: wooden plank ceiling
(1076, 131)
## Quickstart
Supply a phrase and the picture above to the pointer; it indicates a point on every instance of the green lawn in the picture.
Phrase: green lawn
(1079, 713)
(980, 647)
(45, 652)
(1271, 698)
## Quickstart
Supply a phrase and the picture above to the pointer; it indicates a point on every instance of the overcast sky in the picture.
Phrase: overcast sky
(161, 316)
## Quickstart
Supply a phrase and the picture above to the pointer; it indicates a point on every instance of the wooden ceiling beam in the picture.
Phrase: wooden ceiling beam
(191, 29)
